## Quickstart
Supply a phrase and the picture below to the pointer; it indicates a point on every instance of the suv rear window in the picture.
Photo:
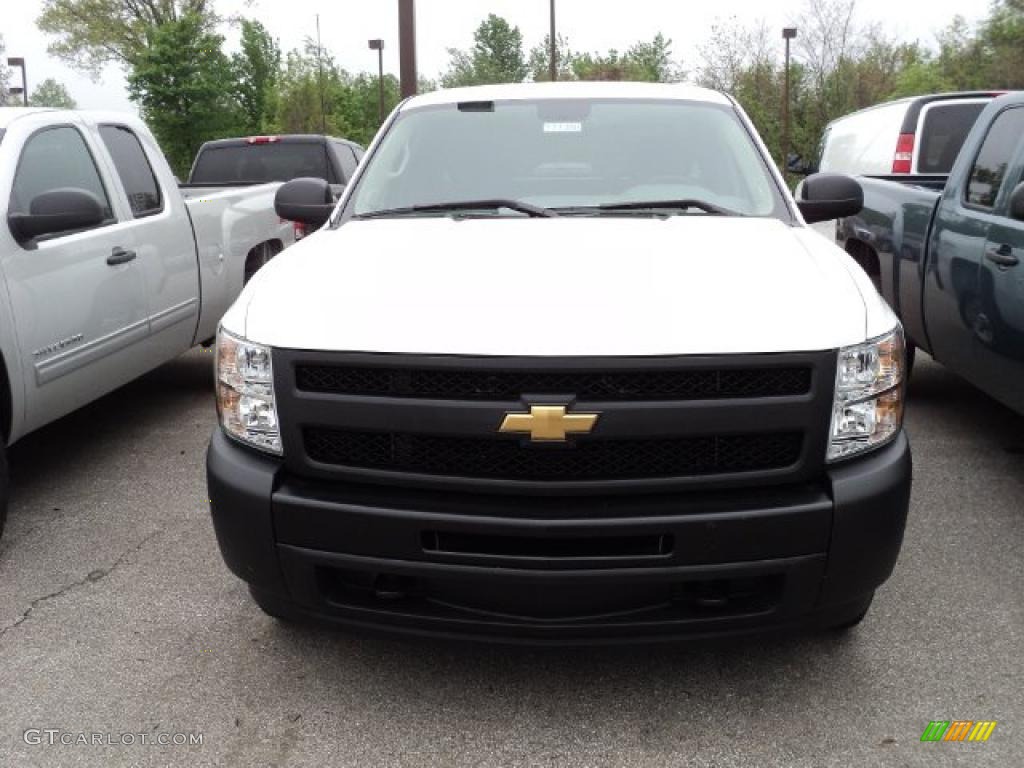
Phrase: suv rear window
(944, 132)
(261, 163)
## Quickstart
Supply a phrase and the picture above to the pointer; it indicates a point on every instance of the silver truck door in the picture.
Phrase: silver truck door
(163, 240)
(78, 297)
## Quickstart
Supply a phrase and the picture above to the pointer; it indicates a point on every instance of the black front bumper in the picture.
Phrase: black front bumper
(559, 569)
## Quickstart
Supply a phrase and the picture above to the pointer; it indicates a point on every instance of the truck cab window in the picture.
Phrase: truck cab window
(347, 159)
(56, 158)
(134, 170)
(997, 151)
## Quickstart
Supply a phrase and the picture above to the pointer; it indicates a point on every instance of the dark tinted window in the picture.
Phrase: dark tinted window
(997, 151)
(943, 134)
(134, 169)
(261, 162)
(55, 158)
(348, 160)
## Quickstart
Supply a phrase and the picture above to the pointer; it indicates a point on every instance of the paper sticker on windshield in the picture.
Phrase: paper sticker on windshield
(563, 127)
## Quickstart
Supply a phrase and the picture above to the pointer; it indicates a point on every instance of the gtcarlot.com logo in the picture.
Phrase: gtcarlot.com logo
(56, 736)
(958, 730)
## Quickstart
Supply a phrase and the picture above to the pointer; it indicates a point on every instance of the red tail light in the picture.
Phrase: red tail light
(262, 139)
(904, 157)
(299, 229)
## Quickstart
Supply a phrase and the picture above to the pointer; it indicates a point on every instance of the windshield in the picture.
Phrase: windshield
(569, 154)
(261, 163)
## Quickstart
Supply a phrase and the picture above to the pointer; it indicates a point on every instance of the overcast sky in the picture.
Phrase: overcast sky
(590, 25)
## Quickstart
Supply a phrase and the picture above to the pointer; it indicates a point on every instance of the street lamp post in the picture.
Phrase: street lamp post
(554, 46)
(378, 46)
(407, 47)
(18, 61)
(788, 33)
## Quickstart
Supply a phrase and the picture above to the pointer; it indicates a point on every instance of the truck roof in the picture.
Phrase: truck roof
(9, 114)
(568, 90)
(286, 138)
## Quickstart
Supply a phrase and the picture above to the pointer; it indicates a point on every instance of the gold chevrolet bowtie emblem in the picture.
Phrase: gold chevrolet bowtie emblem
(548, 423)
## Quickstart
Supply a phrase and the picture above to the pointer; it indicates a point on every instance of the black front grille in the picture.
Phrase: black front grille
(483, 384)
(512, 460)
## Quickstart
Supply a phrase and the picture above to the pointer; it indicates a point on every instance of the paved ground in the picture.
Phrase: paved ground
(116, 614)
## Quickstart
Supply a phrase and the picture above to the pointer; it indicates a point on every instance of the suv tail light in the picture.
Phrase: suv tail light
(904, 157)
(262, 140)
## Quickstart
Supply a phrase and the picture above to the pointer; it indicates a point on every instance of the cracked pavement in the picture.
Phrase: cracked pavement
(117, 615)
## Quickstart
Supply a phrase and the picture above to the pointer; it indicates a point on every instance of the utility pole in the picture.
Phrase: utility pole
(407, 46)
(788, 33)
(18, 61)
(320, 68)
(554, 46)
(378, 46)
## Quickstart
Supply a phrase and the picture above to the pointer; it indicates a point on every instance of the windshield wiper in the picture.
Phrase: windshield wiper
(644, 206)
(466, 205)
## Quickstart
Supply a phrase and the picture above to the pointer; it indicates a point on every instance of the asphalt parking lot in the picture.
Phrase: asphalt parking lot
(117, 615)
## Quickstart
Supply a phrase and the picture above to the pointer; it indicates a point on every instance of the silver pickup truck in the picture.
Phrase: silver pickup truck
(107, 269)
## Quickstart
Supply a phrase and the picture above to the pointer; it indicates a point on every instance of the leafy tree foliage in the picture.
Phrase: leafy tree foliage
(50, 93)
(183, 84)
(496, 57)
(5, 75)
(92, 33)
(256, 69)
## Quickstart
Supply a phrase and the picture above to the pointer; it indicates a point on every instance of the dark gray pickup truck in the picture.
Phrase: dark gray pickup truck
(948, 255)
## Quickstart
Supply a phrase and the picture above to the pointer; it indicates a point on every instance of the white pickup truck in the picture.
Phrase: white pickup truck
(564, 364)
(107, 270)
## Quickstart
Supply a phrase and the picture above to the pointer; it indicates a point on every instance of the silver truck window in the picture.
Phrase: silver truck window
(996, 153)
(56, 158)
(557, 153)
(134, 170)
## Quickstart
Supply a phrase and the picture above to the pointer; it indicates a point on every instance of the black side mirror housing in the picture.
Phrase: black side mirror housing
(307, 200)
(1017, 203)
(827, 196)
(58, 210)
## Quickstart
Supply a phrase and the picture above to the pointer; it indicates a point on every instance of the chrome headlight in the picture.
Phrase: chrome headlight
(867, 409)
(245, 392)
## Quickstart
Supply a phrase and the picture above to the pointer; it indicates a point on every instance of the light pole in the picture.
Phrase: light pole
(554, 46)
(378, 46)
(788, 33)
(407, 47)
(18, 61)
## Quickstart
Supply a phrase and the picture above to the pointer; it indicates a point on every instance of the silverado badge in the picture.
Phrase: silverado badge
(548, 423)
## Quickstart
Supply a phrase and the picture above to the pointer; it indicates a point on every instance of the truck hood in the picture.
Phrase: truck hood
(566, 287)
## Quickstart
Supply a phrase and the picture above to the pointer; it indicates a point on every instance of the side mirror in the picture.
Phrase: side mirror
(1017, 203)
(795, 164)
(59, 210)
(827, 196)
(306, 200)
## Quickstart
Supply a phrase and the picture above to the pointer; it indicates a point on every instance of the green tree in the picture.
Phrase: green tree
(5, 76)
(496, 57)
(644, 61)
(93, 33)
(50, 93)
(183, 84)
(256, 69)
(652, 61)
(539, 61)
